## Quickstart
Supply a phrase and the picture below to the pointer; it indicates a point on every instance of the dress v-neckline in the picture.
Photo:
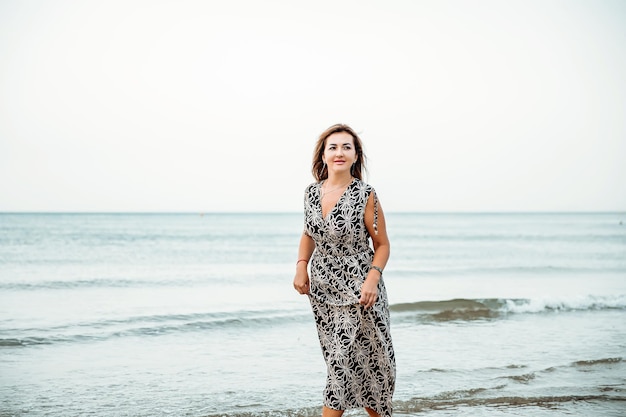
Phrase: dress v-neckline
(325, 217)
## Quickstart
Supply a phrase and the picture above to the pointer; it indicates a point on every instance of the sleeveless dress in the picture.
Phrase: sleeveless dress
(355, 341)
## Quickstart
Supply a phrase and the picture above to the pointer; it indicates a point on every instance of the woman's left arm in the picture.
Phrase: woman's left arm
(369, 291)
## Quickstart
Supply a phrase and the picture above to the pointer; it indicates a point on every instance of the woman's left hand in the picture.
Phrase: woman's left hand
(369, 292)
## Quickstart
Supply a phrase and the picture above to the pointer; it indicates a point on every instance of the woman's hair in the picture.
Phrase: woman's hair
(319, 168)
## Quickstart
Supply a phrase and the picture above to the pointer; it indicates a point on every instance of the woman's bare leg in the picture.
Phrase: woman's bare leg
(329, 412)
(371, 412)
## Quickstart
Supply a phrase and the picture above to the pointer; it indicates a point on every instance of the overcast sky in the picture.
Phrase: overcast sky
(216, 105)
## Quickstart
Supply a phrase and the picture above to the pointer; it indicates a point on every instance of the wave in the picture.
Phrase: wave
(456, 400)
(490, 396)
(410, 270)
(472, 309)
(152, 325)
(526, 376)
(421, 311)
(99, 283)
(421, 405)
(81, 283)
(204, 275)
(596, 362)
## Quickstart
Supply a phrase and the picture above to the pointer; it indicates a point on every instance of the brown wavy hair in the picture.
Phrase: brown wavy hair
(320, 170)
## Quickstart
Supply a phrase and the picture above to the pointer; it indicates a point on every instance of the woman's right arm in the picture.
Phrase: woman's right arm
(305, 250)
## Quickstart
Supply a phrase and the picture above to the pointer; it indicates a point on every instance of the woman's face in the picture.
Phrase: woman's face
(339, 152)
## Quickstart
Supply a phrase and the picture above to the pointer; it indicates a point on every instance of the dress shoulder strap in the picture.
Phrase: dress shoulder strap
(375, 212)
(367, 190)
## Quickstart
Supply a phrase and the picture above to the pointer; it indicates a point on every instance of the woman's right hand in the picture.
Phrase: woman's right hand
(301, 280)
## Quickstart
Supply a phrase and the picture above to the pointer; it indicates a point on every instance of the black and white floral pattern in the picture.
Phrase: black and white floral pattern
(356, 342)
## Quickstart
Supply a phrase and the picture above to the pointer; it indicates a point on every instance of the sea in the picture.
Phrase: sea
(192, 314)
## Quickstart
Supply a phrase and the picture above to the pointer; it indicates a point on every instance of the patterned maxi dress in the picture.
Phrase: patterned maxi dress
(355, 341)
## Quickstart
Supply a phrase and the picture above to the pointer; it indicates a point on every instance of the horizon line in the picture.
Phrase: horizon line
(221, 212)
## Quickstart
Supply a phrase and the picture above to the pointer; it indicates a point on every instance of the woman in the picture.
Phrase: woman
(346, 289)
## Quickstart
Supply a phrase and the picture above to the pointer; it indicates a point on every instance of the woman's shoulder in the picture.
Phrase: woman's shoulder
(311, 187)
(363, 186)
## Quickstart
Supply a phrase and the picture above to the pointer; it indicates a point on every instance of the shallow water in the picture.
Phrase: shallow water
(156, 315)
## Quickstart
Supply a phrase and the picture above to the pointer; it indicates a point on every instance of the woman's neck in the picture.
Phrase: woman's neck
(338, 179)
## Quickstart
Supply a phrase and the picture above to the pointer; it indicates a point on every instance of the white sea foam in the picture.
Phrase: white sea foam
(578, 303)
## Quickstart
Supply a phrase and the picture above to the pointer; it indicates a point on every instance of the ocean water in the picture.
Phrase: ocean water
(195, 315)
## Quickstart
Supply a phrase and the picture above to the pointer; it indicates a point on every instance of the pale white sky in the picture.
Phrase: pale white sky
(216, 105)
